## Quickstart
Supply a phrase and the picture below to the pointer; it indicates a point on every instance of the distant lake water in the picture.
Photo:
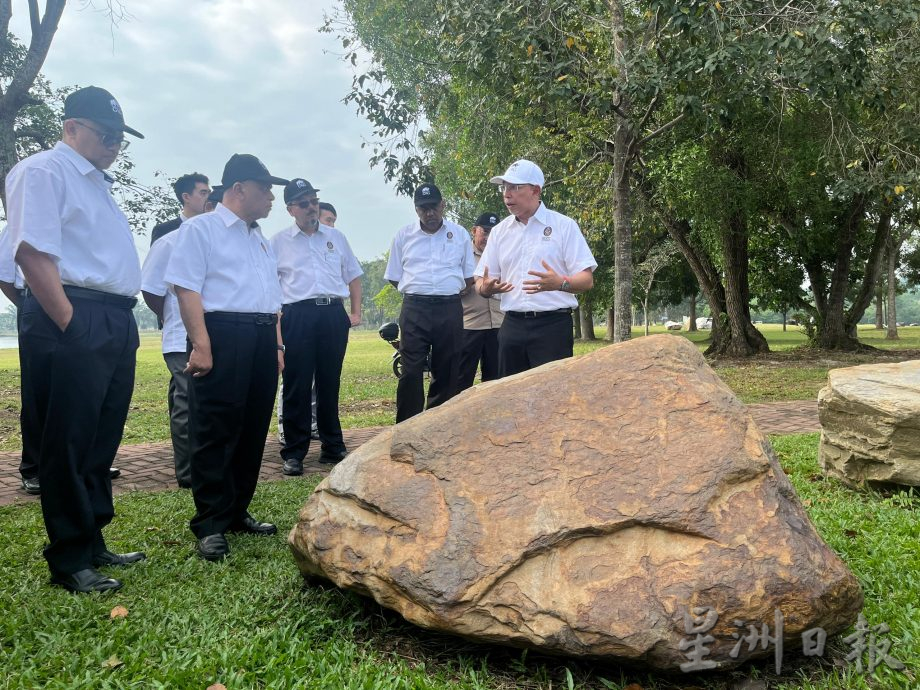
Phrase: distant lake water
(8, 341)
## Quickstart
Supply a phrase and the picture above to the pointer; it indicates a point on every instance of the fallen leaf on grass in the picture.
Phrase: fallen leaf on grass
(217, 686)
(118, 612)
(151, 529)
(851, 533)
(633, 686)
(171, 542)
(807, 503)
(113, 662)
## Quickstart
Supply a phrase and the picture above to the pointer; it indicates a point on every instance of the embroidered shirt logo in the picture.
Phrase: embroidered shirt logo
(547, 232)
(450, 235)
(329, 246)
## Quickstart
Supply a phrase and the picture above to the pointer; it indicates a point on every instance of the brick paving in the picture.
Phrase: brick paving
(148, 467)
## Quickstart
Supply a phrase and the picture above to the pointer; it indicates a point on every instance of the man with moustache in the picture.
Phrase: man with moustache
(537, 260)
(226, 279)
(318, 271)
(482, 318)
(78, 337)
(431, 261)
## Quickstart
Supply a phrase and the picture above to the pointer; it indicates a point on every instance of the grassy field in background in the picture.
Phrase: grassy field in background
(252, 622)
(368, 392)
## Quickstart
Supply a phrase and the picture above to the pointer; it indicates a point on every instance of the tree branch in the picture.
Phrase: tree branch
(32, 134)
(661, 130)
(17, 91)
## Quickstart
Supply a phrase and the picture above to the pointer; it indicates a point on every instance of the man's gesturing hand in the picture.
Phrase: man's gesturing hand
(492, 286)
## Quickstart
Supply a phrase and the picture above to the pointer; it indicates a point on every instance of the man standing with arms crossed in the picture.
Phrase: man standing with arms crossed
(78, 337)
(226, 279)
(318, 271)
(537, 260)
(431, 261)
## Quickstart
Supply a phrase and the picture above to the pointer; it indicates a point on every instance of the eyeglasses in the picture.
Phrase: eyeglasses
(305, 204)
(106, 139)
(511, 187)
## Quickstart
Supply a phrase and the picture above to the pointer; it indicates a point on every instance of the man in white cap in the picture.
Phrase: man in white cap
(537, 260)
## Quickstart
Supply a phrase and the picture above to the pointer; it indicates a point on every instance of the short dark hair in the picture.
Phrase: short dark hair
(186, 184)
(326, 206)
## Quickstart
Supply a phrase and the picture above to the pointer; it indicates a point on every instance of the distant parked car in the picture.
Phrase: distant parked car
(704, 322)
(673, 325)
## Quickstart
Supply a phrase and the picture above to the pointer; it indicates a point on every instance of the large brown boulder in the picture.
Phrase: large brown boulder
(581, 508)
(870, 421)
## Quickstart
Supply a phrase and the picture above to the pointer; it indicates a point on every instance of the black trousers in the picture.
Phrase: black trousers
(178, 415)
(77, 387)
(28, 424)
(478, 346)
(525, 343)
(428, 326)
(315, 338)
(229, 413)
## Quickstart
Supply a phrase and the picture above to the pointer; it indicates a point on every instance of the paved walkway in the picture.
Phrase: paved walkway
(148, 467)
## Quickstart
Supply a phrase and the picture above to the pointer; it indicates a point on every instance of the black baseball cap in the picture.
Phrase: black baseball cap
(296, 188)
(427, 194)
(487, 220)
(245, 166)
(98, 105)
(216, 195)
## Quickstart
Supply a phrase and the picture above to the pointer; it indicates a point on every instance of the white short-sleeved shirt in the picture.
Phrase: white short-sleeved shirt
(431, 264)
(317, 265)
(153, 281)
(62, 205)
(230, 265)
(9, 271)
(514, 249)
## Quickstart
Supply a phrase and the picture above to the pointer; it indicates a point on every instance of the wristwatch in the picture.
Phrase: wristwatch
(565, 285)
(281, 348)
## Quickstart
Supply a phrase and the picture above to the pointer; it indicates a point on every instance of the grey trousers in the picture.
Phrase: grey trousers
(178, 416)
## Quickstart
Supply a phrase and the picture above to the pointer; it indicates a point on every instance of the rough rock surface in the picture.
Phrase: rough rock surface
(870, 419)
(581, 508)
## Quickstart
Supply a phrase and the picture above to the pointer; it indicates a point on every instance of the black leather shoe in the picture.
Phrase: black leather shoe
(331, 457)
(109, 558)
(213, 547)
(292, 468)
(31, 486)
(114, 473)
(85, 581)
(249, 525)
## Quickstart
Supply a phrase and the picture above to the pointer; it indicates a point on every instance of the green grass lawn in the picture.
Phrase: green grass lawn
(368, 391)
(251, 621)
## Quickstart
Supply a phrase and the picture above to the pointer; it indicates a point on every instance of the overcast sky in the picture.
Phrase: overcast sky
(203, 79)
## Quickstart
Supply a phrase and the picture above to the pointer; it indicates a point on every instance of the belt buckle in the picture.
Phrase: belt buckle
(322, 301)
(263, 319)
(530, 314)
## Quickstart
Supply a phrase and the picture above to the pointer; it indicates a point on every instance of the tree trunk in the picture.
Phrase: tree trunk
(586, 318)
(894, 254)
(609, 335)
(879, 311)
(576, 322)
(17, 92)
(743, 339)
(691, 328)
(784, 322)
(645, 312)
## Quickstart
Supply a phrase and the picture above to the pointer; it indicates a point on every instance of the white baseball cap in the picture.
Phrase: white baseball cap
(521, 172)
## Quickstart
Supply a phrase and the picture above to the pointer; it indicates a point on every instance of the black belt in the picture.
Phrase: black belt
(537, 314)
(74, 292)
(431, 299)
(319, 301)
(242, 317)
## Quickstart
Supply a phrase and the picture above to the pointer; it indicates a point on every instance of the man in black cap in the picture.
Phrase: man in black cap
(430, 262)
(192, 191)
(226, 279)
(318, 271)
(214, 198)
(78, 336)
(482, 317)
